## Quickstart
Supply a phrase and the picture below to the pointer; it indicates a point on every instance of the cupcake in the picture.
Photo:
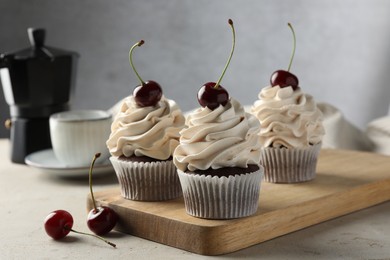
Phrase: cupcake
(218, 156)
(291, 129)
(144, 134)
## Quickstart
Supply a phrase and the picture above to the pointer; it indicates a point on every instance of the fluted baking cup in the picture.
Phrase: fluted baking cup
(214, 197)
(289, 165)
(147, 181)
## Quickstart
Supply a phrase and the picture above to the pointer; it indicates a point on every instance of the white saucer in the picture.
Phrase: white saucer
(47, 162)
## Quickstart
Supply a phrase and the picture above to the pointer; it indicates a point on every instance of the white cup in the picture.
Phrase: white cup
(77, 135)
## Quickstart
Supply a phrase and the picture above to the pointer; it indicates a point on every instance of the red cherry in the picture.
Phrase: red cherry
(283, 79)
(211, 97)
(147, 94)
(100, 220)
(58, 224)
(212, 94)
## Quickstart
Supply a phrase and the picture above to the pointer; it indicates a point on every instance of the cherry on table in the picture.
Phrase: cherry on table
(284, 78)
(211, 94)
(147, 93)
(102, 219)
(59, 223)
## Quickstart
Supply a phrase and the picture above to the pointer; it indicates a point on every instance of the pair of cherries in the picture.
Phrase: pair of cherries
(100, 220)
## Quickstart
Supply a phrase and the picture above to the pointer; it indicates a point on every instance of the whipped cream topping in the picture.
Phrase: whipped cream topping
(151, 131)
(288, 118)
(224, 137)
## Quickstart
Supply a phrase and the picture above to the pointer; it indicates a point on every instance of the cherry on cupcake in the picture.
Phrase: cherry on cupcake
(284, 78)
(212, 94)
(147, 93)
(102, 219)
(59, 223)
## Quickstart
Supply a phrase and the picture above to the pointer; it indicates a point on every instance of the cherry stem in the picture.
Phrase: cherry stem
(90, 180)
(92, 235)
(138, 44)
(231, 53)
(294, 46)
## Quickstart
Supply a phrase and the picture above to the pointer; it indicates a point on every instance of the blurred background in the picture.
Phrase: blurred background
(342, 56)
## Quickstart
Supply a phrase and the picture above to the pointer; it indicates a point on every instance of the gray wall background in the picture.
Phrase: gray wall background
(342, 57)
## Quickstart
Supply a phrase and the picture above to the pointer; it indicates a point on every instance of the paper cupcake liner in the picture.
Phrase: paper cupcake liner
(214, 197)
(147, 181)
(283, 165)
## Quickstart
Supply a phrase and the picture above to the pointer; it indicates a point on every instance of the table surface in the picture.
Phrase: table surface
(28, 194)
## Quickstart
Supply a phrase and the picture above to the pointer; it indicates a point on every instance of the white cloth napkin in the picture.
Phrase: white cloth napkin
(379, 133)
(340, 133)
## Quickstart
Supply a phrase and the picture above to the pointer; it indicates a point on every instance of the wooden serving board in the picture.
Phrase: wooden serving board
(346, 181)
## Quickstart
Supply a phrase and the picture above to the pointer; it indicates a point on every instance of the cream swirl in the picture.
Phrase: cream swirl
(151, 131)
(223, 137)
(288, 118)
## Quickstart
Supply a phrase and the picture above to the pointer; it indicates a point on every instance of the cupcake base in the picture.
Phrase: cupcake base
(147, 181)
(214, 197)
(289, 165)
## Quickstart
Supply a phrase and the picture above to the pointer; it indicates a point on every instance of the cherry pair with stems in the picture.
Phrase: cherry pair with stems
(100, 220)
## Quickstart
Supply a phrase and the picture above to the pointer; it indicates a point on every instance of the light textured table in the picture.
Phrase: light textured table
(28, 195)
